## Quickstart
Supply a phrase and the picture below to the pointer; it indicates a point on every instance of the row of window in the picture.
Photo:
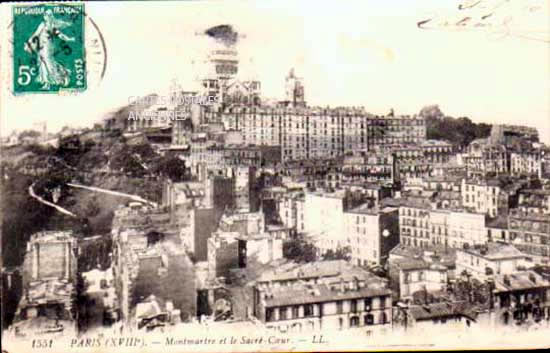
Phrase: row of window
(293, 312)
(324, 115)
(413, 212)
(415, 233)
(421, 276)
(367, 320)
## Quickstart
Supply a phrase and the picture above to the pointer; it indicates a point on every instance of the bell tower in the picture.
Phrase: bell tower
(294, 90)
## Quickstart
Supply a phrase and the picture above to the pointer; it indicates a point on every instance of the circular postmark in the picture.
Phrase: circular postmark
(54, 48)
(96, 52)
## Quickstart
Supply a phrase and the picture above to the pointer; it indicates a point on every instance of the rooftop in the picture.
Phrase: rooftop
(447, 256)
(437, 310)
(416, 202)
(369, 210)
(495, 251)
(336, 194)
(392, 202)
(412, 264)
(318, 269)
(315, 293)
(520, 281)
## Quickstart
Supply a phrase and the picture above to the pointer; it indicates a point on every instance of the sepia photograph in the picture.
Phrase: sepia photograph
(274, 176)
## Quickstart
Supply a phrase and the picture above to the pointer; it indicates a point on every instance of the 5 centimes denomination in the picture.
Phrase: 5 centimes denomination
(48, 48)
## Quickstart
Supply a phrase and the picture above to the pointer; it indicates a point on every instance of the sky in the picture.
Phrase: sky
(350, 53)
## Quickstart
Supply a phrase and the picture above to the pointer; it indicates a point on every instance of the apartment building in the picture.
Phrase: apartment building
(318, 297)
(422, 223)
(417, 275)
(529, 232)
(291, 208)
(324, 212)
(49, 285)
(520, 296)
(489, 259)
(324, 218)
(437, 151)
(315, 132)
(314, 173)
(526, 161)
(371, 232)
(395, 129)
(302, 132)
(382, 167)
(502, 133)
(413, 269)
(534, 201)
(483, 195)
(483, 157)
(411, 159)
(414, 222)
(147, 262)
(232, 250)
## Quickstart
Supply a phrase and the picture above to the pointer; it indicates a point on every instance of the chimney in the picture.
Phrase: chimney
(484, 249)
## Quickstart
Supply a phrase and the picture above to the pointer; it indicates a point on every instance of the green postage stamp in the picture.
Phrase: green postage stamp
(48, 48)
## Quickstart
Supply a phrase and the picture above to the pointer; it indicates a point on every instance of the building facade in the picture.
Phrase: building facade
(47, 306)
(530, 232)
(395, 129)
(345, 298)
(371, 233)
(489, 259)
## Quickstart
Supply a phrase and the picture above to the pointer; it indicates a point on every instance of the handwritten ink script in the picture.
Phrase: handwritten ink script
(527, 19)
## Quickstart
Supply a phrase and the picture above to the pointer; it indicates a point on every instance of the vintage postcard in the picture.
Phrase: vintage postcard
(274, 176)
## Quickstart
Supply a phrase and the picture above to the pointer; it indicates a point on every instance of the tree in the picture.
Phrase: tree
(174, 168)
(338, 254)
(459, 131)
(126, 162)
(299, 250)
(89, 208)
(431, 112)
